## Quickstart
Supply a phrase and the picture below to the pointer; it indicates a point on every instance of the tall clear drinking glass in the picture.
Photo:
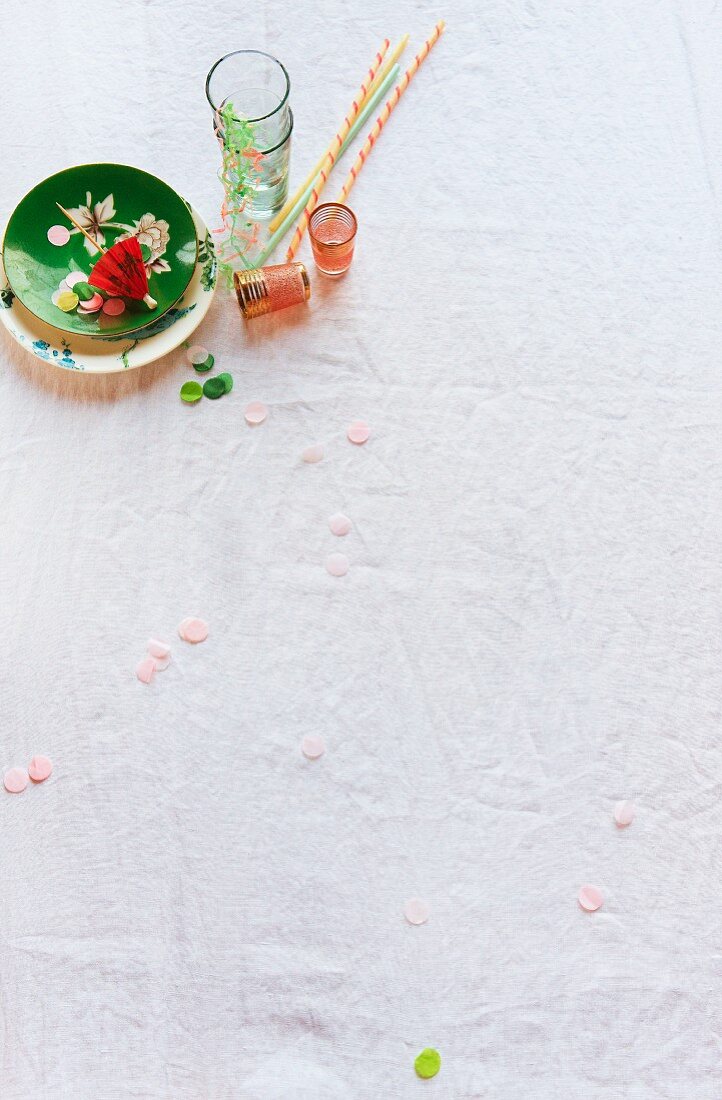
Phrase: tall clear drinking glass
(249, 93)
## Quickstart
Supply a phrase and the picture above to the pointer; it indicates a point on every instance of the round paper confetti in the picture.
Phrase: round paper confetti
(39, 768)
(337, 565)
(191, 392)
(359, 431)
(157, 649)
(193, 630)
(428, 1063)
(416, 911)
(313, 746)
(113, 307)
(75, 277)
(313, 453)
(197, 354)
(16, 780)
(145, 670)
(58, 234)
(67, 301)
(256, 412)
(227, 381)
(624, 813)
(161, 663)
(339, 524)
(590, 898)
(214, 388)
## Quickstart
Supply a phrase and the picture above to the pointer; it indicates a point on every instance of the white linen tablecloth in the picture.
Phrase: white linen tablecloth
(529, 631)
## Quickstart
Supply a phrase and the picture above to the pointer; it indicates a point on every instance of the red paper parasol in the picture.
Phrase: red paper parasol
(121, 272)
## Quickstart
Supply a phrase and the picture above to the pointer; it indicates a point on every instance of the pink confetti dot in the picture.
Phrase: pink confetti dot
(313, 454)
(74, 277)
(39, 768)
(337, 565)
(58, 235)
(196, 355)
(161, 663)
(624, 813)
(359, 431)
(256, 412)
(146, 670)
(16, 780)
(590, 898)
(416, 911)
(313, 746)
(339, 524)
(114, 307)
(193, 630)
(157, 649)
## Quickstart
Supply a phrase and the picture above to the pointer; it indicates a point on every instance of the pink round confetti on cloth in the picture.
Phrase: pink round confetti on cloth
(146, 670)
(58, 235)
(590, 898)
(416, 911)
(359, 431)
(196, 354)
(313, 746)
(40, 768)
(193, 631)
(157, 649)
(74, 277)
(161, 663)
(337, 565)
(256, 412)
(624, 813)
(16, 780)
(113, 307)
(339, 524)
(313, 453)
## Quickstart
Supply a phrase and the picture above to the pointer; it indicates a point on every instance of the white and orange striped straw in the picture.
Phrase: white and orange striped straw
(390, 104)
(333, 150)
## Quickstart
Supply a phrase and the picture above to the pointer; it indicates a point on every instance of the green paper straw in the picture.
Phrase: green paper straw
(300, 205)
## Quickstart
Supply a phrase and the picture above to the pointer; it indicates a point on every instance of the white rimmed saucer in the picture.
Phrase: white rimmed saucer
(107, 354)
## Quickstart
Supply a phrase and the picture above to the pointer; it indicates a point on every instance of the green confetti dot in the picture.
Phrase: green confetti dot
(191, 392)
(84, 291)
(227, 381)
(145, 252)
(214, 387)
(428, 1063)
(205, 366)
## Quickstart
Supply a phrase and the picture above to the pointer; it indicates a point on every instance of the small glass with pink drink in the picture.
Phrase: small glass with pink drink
(332, 229)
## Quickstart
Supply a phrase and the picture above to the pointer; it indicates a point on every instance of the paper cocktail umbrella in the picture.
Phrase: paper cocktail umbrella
(121, 272)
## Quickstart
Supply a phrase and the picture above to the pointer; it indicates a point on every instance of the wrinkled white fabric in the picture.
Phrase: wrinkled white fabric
(529, 630)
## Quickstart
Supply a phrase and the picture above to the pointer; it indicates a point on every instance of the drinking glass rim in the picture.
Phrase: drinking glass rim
(258, 53)
(333, 244)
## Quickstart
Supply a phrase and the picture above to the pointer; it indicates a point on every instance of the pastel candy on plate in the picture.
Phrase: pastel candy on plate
(339, 524)
(67, 301)
(314, 453)
(113, 307)
(92, 305)
(39, 768)
(58, 235)
(359, 431)
(16, 780)
(74, 277)
(590, 898)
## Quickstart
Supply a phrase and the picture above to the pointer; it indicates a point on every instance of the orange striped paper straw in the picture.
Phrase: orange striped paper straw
(333, 150)
(390, 104)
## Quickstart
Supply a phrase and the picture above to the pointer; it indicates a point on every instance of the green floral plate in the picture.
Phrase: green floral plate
(42, 249)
